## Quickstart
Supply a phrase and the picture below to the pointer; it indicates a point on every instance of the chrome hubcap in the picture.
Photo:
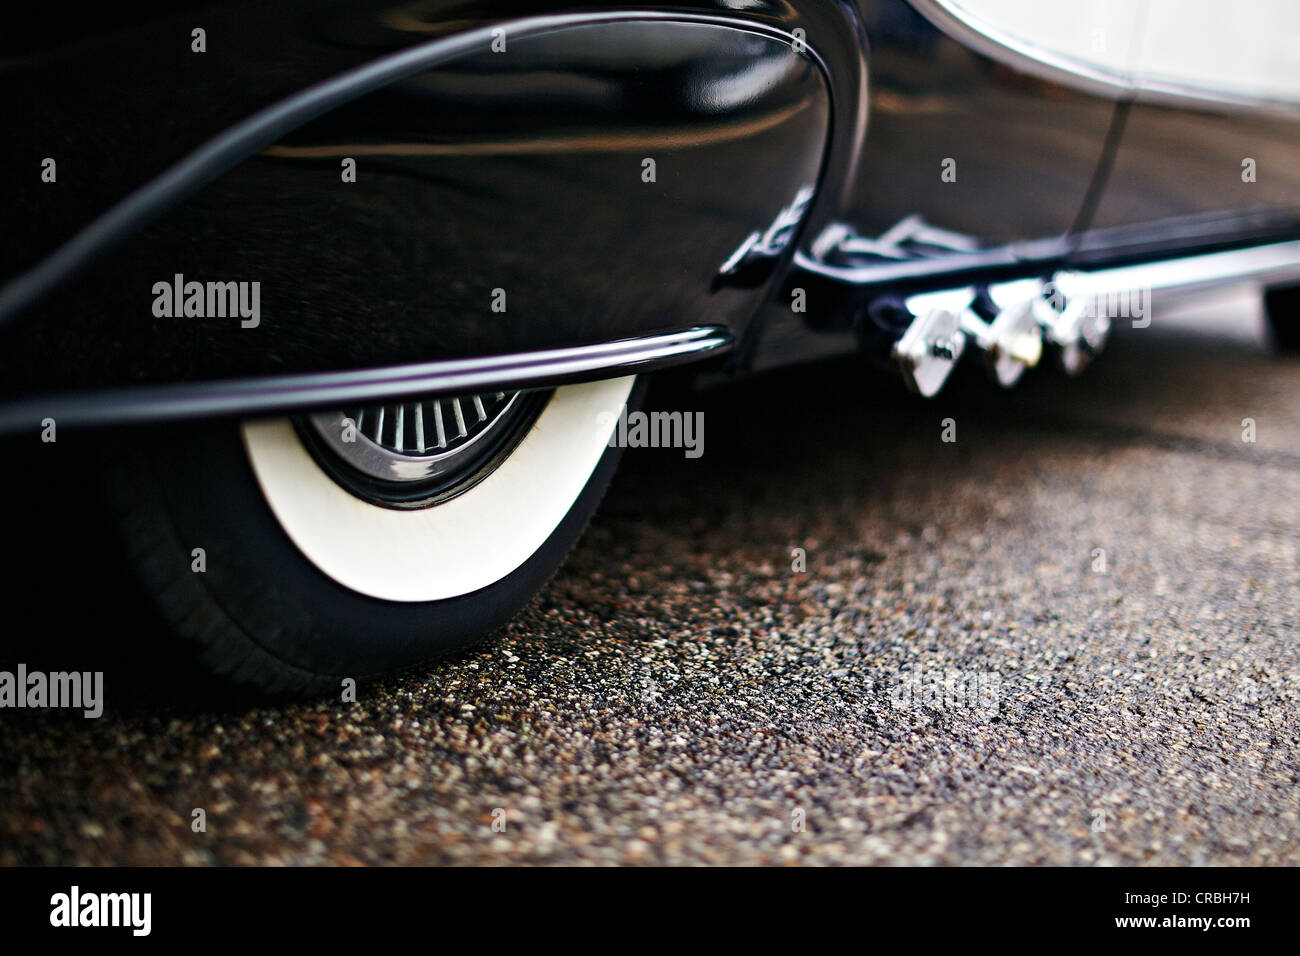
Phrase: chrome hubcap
(413, 441)
(417, 453)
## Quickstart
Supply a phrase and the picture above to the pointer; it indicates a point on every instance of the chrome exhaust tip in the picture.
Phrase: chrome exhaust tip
(929, 350)
(1009, 324)
(1076, 325)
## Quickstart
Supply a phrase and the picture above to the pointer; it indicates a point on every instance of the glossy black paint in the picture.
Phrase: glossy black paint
(1180, 163)
(1037, 184)
(119, 95)
(521, 171)
(1024, 149)
(1024, 152)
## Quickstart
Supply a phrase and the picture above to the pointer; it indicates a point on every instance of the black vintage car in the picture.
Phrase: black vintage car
(355, 294)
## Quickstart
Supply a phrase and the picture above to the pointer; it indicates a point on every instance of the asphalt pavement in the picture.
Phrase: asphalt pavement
(1068, 636)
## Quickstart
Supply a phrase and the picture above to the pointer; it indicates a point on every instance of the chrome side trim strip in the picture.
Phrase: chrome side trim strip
(1167, 241)
(1273, 264)
(291, 393)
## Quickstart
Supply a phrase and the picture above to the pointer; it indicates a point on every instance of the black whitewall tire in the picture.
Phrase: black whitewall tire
(459, 546)
(303, 582)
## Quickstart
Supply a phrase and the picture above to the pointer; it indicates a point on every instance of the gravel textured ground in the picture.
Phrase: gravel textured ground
(954, 679)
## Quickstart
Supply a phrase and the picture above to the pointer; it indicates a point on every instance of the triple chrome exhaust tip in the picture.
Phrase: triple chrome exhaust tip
(1010, 325)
